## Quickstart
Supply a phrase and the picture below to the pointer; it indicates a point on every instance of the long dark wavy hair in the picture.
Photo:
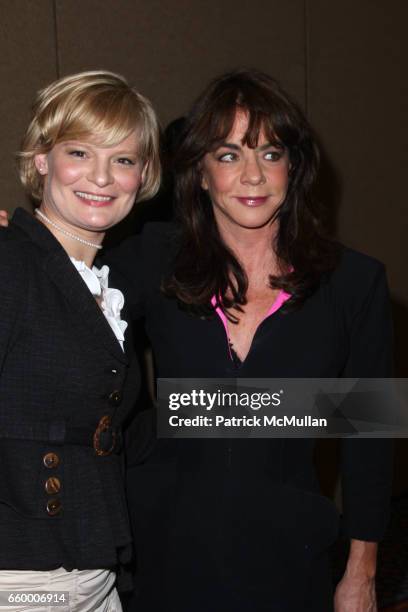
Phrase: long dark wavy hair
(204, 266)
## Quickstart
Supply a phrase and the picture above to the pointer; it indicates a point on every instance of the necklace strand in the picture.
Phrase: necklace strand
(44, 217)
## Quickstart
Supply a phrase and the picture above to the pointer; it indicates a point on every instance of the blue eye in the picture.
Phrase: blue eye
(77, 153)
(126, 161)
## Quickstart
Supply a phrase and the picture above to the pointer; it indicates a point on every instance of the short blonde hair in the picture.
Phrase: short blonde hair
(95, 105)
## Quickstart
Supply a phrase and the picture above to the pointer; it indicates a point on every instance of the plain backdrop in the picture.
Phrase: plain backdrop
(344, 61)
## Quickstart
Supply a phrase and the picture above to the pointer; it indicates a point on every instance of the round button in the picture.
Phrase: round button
(54, 506)
(115, 398)
(51, 460)
(52, 485)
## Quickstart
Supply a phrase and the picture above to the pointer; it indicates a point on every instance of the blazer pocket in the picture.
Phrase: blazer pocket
(31, 480)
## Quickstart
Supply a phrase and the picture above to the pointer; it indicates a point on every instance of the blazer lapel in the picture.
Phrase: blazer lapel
(64, 275)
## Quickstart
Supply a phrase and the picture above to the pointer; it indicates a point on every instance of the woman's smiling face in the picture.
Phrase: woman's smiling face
(89, 187)
(245, 185)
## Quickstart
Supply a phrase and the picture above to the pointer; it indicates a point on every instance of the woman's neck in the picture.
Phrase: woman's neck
(85, 254)
(80, 252)
(82, 246)
(254, 249)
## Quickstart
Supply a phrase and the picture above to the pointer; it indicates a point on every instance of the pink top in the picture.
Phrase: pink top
(280, 299)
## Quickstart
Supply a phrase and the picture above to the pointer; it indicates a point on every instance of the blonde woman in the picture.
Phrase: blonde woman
(68, 378)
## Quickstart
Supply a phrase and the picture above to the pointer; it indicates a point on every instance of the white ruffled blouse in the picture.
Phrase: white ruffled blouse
(113, 300)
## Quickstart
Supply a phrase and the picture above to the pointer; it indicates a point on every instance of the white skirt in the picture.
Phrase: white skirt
(89, 590)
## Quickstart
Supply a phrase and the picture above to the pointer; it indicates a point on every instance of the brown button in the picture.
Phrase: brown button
(115, 398)
(51, 460)
(54, 506)
(52, 485)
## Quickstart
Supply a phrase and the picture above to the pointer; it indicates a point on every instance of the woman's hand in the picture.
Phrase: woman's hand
(3, 218)
(355, 595)
(356, 590)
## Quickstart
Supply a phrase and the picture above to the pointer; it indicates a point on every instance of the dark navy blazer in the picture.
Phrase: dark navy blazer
(61, 368)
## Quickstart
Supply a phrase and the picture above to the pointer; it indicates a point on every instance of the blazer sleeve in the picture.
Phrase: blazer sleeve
(366, 464)
(13, 289)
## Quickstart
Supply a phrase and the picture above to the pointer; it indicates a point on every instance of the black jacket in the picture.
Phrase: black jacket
(61, 370)
(240, 525)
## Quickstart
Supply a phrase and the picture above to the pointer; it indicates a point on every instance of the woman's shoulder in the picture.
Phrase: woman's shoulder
(356, 277)
(350, 259)
(15, 248)
(16, 259)
(144, 251)
(155, 238)
(355, 267)
(10, 234)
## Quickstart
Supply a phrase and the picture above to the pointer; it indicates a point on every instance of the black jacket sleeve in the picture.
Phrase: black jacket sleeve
(12, 286)
(366, 464)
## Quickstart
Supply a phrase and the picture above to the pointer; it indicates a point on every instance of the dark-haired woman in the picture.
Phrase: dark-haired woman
(247, 285)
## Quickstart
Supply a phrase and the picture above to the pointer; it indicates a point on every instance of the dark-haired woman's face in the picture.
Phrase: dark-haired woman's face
(245, 185)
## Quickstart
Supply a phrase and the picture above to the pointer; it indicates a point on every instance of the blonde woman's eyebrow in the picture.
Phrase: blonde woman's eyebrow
(75, 143)
(90, 145)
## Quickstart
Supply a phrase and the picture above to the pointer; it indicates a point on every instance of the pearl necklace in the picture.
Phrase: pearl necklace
(44, 217)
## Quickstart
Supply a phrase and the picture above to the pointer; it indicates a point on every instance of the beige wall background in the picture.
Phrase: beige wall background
(345, 62)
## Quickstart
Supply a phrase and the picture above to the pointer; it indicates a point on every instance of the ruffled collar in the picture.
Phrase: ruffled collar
(97, 281)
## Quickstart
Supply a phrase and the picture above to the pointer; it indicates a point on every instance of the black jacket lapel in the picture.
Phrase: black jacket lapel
(64, 275)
